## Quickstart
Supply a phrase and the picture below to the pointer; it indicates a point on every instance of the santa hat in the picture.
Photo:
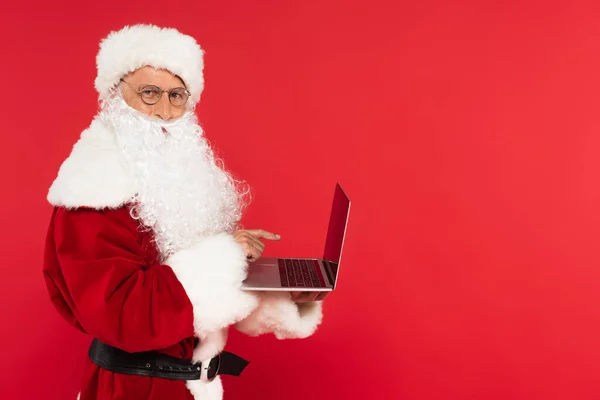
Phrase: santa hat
(133, 47)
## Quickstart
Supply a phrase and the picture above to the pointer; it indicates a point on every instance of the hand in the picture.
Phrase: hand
(249, 239)
(304, 297)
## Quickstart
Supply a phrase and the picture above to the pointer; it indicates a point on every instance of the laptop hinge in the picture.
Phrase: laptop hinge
(329, 272)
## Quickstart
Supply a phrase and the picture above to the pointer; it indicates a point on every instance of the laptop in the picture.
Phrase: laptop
(306, 274)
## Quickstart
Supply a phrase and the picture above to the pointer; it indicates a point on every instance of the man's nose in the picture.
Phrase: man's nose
(163, 109)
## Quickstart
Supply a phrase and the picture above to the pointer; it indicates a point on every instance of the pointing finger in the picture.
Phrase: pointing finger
(261, 233)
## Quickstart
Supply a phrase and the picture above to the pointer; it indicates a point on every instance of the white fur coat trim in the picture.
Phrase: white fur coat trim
(212, 273)
(206, 391)
(94, 175)
(277, 313)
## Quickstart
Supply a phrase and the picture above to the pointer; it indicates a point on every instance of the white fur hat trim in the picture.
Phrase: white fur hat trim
(136, 46)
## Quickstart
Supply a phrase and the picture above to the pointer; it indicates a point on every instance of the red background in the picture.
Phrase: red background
(465, 132)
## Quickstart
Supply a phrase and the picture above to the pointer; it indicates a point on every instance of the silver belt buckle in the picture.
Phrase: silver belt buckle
(206, 374)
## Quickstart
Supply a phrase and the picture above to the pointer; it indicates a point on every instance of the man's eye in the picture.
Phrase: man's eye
(176, 95)
(149, 92)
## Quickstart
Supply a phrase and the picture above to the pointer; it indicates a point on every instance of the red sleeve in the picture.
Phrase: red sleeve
(100, 280)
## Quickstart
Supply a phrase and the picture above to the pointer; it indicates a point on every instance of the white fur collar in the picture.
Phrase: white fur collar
(94, 174)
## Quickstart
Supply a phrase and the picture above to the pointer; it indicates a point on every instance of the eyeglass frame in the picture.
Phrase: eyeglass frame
(139, 93)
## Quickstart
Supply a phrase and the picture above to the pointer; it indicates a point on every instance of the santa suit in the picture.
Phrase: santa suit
(105, 278)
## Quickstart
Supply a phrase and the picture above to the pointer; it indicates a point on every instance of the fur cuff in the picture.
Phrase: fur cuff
(212, 273)
(277, 313)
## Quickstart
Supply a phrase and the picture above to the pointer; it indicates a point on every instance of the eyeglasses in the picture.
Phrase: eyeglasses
(151, 94)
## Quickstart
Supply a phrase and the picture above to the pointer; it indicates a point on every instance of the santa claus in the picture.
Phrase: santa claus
(144, 250)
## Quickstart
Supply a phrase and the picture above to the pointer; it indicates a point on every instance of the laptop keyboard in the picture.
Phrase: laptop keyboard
(300, 273)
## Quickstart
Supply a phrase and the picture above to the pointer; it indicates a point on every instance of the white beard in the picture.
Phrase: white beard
(182, 194)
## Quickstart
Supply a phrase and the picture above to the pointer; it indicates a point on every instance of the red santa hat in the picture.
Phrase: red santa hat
(133, 47)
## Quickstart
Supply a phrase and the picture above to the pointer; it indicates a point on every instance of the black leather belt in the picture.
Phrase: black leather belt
(152, 363)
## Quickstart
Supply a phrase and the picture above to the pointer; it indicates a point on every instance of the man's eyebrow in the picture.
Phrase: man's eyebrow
(142, 85)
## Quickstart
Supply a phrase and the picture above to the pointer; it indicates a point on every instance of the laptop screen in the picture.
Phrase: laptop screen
(337, 228)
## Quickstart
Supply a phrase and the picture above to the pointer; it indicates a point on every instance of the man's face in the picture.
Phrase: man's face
(165, 80)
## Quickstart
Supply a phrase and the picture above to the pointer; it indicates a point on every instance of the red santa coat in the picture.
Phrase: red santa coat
(105, 277)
